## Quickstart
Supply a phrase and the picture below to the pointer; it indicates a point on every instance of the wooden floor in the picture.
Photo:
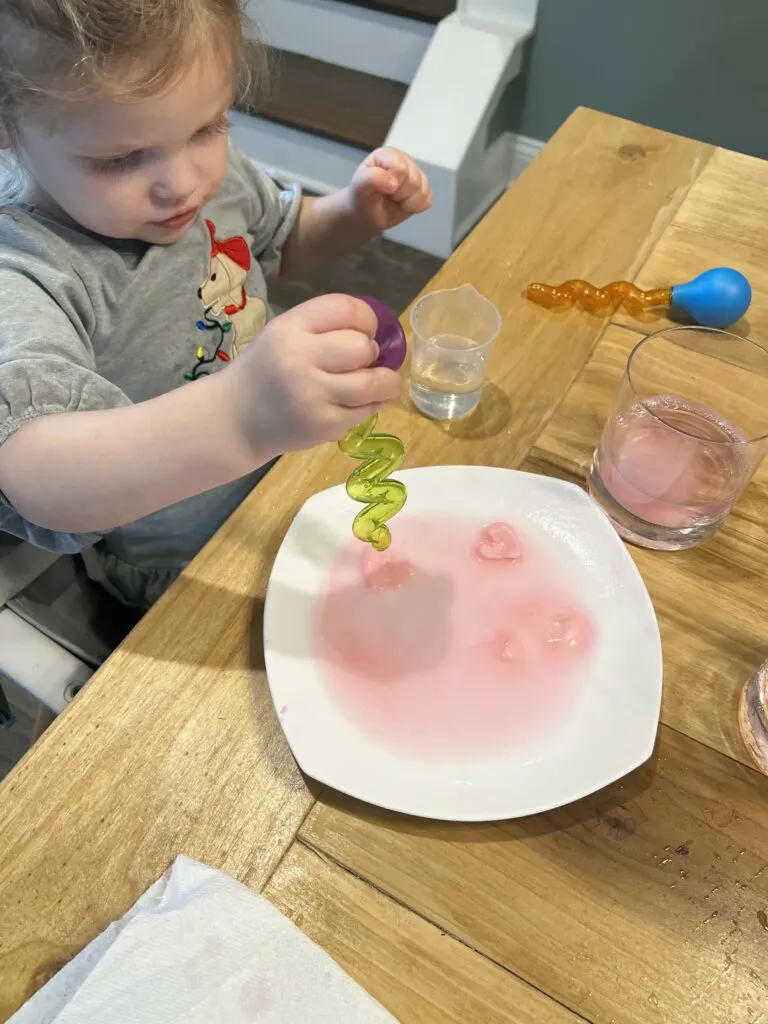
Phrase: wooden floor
(392, 273)
(383, 269)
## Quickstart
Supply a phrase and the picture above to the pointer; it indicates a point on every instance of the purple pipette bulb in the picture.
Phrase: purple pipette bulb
(390, 336)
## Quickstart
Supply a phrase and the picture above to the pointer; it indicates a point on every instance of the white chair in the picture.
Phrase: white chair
(55, 626)
(34, 661)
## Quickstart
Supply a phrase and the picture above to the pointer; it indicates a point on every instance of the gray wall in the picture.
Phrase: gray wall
(695, 67)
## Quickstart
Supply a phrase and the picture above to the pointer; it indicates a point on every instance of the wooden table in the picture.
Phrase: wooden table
(646, 902)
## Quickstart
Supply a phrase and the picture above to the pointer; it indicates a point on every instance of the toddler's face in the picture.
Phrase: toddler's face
(139, 169)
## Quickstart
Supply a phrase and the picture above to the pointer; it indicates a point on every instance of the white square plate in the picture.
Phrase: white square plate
(612, 727)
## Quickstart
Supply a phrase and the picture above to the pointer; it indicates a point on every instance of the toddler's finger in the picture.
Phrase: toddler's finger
(334, 313)
(342, 351)
(365, 387)
(376, 181)
(391, 160)
(410, 186)
(418, 202)
(349, 418)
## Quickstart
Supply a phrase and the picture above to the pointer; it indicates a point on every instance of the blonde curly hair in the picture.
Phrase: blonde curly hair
(62, 51)
(125, 49)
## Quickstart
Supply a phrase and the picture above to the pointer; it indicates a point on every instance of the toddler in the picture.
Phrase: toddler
(144, 388)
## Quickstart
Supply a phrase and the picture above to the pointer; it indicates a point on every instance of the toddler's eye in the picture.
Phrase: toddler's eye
(117, 164)
(218, 127)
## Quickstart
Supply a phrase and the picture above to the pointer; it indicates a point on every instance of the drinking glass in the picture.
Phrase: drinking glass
(453, 331)
(688, 430)
(753, 717)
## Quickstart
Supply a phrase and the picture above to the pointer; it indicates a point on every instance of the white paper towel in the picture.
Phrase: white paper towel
(200, 948)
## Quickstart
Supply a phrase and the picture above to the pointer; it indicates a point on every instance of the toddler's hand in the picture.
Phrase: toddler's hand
(388, 188)
(308, 378)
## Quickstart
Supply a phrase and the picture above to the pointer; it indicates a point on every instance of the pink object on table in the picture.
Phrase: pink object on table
(438, 653)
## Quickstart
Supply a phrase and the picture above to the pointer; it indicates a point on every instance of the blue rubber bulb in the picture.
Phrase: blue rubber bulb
(716, 298)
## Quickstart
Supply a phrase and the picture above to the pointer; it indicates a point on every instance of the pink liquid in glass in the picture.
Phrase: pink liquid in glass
(674, 463)
(459, 640)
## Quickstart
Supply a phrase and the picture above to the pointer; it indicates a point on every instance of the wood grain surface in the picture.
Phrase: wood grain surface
(720, 223)
(645, 903)
(415, 969)
(422, 10)
(326, 99)
(710, 601)
(642, 904)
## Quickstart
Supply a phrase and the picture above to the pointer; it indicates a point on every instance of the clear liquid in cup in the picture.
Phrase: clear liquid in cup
(447, 378)
(669, 471)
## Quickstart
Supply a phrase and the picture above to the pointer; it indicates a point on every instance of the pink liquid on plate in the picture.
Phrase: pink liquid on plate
(674, 463)
(460, 639)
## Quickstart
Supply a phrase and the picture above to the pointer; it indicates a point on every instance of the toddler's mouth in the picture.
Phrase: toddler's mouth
(178, 220)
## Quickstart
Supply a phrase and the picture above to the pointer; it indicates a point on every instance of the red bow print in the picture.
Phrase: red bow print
(235, 248)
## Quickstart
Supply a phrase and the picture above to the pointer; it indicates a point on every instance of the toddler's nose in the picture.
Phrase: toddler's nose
(176, 182)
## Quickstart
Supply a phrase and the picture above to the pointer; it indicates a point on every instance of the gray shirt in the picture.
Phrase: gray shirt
(94, 323)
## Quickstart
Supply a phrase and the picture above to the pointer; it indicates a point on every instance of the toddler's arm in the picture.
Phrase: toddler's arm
(386, 190)
(308, 380)
(88, 472)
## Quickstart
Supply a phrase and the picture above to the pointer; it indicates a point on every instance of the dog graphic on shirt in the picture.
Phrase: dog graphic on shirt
(223, 294)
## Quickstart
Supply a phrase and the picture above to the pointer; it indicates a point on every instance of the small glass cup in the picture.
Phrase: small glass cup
(753, 717)
(453, 331)
(688, 430)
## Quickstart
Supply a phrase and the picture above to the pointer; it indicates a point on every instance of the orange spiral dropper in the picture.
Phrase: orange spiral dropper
(600, 301)
(717, 298)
